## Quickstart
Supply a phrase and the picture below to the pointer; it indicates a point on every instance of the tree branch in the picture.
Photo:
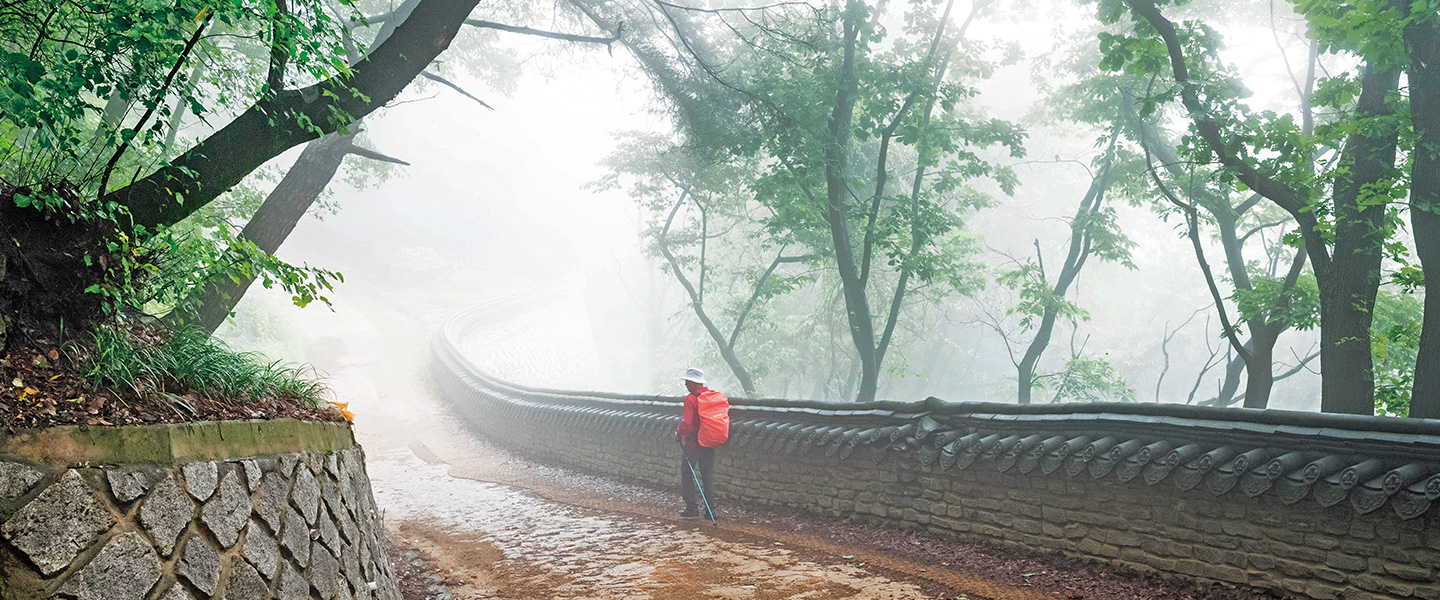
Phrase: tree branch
(453, 86)
(568, 37)
(1262, 227)
(352, 148)
(759, 287)
(726, 351)
(157, 101)
(1192, 223)
(1283, 195)
(275, 78)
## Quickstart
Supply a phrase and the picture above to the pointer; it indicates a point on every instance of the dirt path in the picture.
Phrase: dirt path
(496, 540)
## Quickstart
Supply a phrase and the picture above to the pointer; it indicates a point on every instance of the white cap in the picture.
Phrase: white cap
(695, 375)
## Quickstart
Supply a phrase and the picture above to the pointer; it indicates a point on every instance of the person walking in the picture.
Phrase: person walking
(704, 426)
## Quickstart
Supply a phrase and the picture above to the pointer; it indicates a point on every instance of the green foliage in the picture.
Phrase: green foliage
(190, 360)
(1268, 300)
(1395, 342)
(187, 260)
(1036, 296)
(1088, 380)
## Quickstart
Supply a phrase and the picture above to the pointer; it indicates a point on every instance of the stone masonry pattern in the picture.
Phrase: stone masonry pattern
(1324, 510)
(295, 526)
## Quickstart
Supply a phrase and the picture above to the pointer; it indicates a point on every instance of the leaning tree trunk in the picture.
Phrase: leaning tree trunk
(275, 219)
(273, 222)
(1074, 261)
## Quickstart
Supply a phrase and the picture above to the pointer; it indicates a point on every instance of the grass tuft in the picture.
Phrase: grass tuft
(191, 360)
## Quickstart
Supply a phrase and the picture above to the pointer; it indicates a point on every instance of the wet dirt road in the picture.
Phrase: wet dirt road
(498, 541)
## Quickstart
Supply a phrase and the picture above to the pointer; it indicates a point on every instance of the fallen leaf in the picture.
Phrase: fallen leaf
(17, 383)
(54, 355)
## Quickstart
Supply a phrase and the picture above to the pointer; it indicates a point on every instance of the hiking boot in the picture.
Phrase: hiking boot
(690, 512)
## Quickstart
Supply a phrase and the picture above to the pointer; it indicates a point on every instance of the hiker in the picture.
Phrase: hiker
(704, 427)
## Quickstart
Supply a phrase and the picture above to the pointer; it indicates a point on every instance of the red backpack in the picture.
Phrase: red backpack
(714, 409)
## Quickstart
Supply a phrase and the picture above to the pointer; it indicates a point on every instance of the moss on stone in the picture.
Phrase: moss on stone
(168, 443)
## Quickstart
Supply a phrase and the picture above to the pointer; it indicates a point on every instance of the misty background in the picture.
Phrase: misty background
(494, 203)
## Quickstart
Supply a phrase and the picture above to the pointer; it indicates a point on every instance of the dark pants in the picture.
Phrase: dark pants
(703, 460)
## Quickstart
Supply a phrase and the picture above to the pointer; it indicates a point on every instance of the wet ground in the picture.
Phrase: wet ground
(502, 540)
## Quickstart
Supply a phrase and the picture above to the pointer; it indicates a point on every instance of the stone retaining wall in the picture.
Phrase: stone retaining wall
(1314, 506)
(238, 510)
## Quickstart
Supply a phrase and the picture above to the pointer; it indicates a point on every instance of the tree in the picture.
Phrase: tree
(788, 82)
(1093, 232)
(1345, 236)
(283, 119)
(1174, 185)
(1421, 35)
(664, 176)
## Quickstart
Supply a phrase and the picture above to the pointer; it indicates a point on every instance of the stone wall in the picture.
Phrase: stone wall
(1315, 506)
(240, 511)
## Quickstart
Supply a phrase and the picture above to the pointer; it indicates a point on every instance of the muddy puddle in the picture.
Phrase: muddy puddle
(497, 541)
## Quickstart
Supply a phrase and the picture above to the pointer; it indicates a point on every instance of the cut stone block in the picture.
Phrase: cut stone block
(165, 513)
(200, 478)
(295, 537)
(287, 463)
(228, 511)
(17, 478)
(60, 522)
(176, 592)
(253, 473)
(260, 549)
(350, 566)
(315, 462)
(324, 572)
(305, 495)
(329, 535)
(200, 564)
(272, 500)
(292, 585)
(245, 584)
(127, 484)
(125, 569)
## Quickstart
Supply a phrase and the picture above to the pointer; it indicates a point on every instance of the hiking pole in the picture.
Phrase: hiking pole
(701, 489)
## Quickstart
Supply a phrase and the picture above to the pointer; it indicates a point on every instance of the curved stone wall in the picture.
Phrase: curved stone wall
(236, 510)
(1319, 506)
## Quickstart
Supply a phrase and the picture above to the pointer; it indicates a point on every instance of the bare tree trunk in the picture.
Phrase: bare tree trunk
(727, 350)
(857, 305)
(274, 221)
(1423, 41)
(1350, 282)
(1074, 262)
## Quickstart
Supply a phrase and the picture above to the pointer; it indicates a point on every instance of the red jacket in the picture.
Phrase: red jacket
(690, 422)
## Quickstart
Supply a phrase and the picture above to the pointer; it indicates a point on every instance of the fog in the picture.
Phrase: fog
(494, 205)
